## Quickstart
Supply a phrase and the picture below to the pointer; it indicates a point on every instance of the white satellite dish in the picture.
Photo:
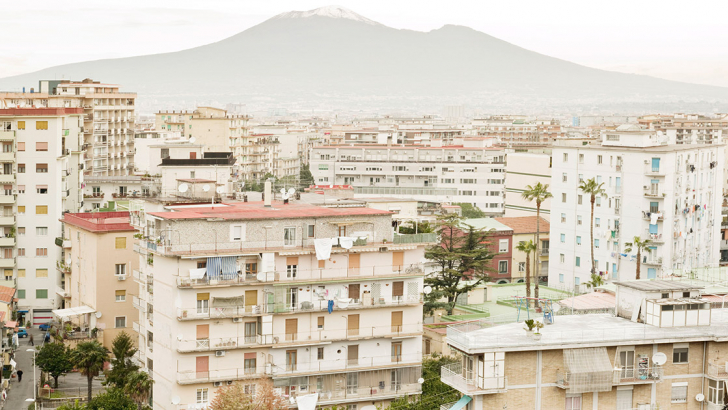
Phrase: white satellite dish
(192, 140)
(291, 191)
(98, 315)
(283, 191)
(175, 400)
(700, 397)
(180, 337)
(220, 190)
(260, 276)
(420, 380)
(205, 187)
(659, 358)
(427, 290)
(183, 188)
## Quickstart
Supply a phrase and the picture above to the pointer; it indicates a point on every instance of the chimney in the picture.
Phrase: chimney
(268, 193)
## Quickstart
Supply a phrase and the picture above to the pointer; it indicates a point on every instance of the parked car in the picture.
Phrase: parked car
(22, 333)
(44, 326)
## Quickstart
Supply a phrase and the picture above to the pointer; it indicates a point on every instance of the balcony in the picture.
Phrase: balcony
(718, 371)
(654, 237)
(63, 267)
(626, 376)
(340, 303)
(651, 170)
(656, 261)
(7, 241)
(195, 377)
(544, 252)
(63, 242)
(7, 199)
(7, 178)
(139, 304)
(7, 262)
(7, 156)
(62, 292)
(647, 215)
(94, 196)
(654, 192)
(220, 313)
(139, 328)
(219, 343)
(337, 365)
(464, 381)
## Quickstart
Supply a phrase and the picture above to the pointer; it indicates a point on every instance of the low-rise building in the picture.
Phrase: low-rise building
(524, 230)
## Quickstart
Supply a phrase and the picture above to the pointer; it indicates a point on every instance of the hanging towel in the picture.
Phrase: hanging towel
(331, 306)
(653, 219)
(346, 242)
(323, 248)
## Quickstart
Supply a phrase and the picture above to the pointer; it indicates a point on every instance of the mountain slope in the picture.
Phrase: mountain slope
(333, 54)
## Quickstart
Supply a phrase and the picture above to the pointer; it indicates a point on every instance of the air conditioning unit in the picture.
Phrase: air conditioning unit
(217, 384)
(120, 277)
(237, 320)
(219, 353)
(229, 382)
(383, 249)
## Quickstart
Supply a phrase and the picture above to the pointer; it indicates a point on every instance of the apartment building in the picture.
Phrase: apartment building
(471, 173)
(525, 169)
(656, 190)
(320, 300)
(96, 268)
(500, 243)
(689, 128)
(524, 230)
(42, 160)
(212, 127)
(665, 349)
(514, 131)
(108, 128)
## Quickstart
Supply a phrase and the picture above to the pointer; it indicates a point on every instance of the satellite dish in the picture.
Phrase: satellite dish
(183, 188)
(175, 400)
(659, 358)
(260, 276)
(98, 315)
(220, 190)
(242, 184)
(205, 187)
(283, 191)
(427, 290)
(291, 191)
(180, 337)
(192, 140)
(699, 397)
(420, 380)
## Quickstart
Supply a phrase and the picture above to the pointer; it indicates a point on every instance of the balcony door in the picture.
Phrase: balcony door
(491, 371)
(626, 364)
(202, 367)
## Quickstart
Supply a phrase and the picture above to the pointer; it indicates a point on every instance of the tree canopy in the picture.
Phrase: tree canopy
(470, 211)
(54, 359)
(122, 364)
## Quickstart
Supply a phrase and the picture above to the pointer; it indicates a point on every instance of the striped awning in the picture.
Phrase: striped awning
(222, 267)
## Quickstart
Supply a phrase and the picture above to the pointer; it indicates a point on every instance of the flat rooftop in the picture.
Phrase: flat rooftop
(657, 285)
(99, 221)
(257, 210)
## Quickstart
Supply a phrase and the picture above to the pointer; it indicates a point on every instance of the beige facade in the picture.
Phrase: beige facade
(97, 270)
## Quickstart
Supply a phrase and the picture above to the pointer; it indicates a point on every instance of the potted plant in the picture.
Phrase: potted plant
(28, 324)
(184, 313)
(537, 334)
(530, 325)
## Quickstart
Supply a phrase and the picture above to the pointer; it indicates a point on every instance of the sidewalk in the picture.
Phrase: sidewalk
(20, 394)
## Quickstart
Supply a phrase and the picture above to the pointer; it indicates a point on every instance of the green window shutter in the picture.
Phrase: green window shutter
(21, 293)
(41, 293)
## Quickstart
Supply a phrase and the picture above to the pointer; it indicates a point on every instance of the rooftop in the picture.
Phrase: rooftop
(590, 301)
(100, 222)
(488, 224)
(39, 112)
(657, 285)
(6, 294)
(256, 210)
(525, 224)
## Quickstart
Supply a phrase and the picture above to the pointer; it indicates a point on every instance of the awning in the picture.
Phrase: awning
(228, 302)
(197, 273)
(461, 403)
(588, 370)
(74, 311)
(222, 267)
(12, 324)
(307, 402)
(22, 311)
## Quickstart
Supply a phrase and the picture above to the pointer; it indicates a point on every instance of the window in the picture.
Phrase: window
(120, 269)
(289, 236)
(320, 324)
(680, 354)
(202, 397)
(578, 199)
(120, 296)
(41, 168)
(563, 218)
(679, 393)
(41, 273)
(250, 364)
(563, 177)
(599, 201)
(581, 177)
(21, 168)
(596, 243)
(311, 231)
(21, 293)
(291, 267)
(561, 278)
(251, 268)
(21, 251)
(578, 261)
(578, 219)
(503, 245)
(686, 294)
(563, 238)
(597, 222)
(120, 242)
(320, 353)
(41, 125)
(577, 280)
(578, 240)
(41, 293)
(563, 197)
(41, 252)
(396, 352)
(566, 157)
(502, 267)
(203, 303)
(21, 273)
(250, 389)
(41, 189)
(21, 146)
(573, 402)
(41, 231)
(41, 146)
(599, 159)
(39, 209)
(21, 125)
(581, 158)
(716, 391)
(521, 266)
(562, 258)
(236, 233)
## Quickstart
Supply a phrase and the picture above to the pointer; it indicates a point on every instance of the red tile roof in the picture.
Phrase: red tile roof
(6, 294)
(256, 210)
(40, 111)
(100, 221)
(524, 224)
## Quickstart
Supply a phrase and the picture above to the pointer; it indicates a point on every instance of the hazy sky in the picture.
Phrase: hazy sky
(678, 40)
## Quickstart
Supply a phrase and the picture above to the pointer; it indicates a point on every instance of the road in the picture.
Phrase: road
(21, 393)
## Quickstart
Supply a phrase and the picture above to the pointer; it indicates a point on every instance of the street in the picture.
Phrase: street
(20, 394)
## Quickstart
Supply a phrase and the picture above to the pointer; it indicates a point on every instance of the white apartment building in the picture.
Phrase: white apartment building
(236, 292)
(657, 190)
(525, 169)
(108, 129)
(41, 175)
(470, 173)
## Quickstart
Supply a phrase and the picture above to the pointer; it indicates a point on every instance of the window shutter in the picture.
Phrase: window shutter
(203, 296)
(121, 243)
(397, 288)
(293, 260)
(120, 293)
(354, 291)
(203, 332)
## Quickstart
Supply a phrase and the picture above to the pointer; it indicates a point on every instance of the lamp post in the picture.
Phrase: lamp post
(34, 379)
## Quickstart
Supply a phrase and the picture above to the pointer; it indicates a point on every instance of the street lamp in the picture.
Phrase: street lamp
(34, 379)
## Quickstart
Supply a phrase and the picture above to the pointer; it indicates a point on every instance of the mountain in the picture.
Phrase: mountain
(334, 57)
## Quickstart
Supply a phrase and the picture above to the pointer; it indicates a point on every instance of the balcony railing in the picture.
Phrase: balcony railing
(620, 376)
(192, 376)
(219, 343)
(718, 371)
(467, 383)
(343, 364)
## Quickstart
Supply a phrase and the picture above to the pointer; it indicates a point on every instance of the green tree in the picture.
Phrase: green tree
(462, 259)
(434, 391)
(112, 399)
(538, 193)
(122, 364)
(594, 190)
(89, 359)
(266, 397)
(232, 397)
(527, 248)
(596, 281)
(138, 387)
(416, 227)
(305, 176)
(470, 211)
(640, 246)
(54, 359)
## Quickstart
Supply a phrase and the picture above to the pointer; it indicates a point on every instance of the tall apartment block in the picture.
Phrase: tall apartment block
(108, 128)
(41, 160)
(666, 351)
(470, 173)
(668, 193)
(320, 300)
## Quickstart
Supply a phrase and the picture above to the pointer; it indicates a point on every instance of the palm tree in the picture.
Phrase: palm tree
(591, 188)
(138, 386)
(596, 281)
(89, 359)
(527, 247)
(538, 193)
(640, 246)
